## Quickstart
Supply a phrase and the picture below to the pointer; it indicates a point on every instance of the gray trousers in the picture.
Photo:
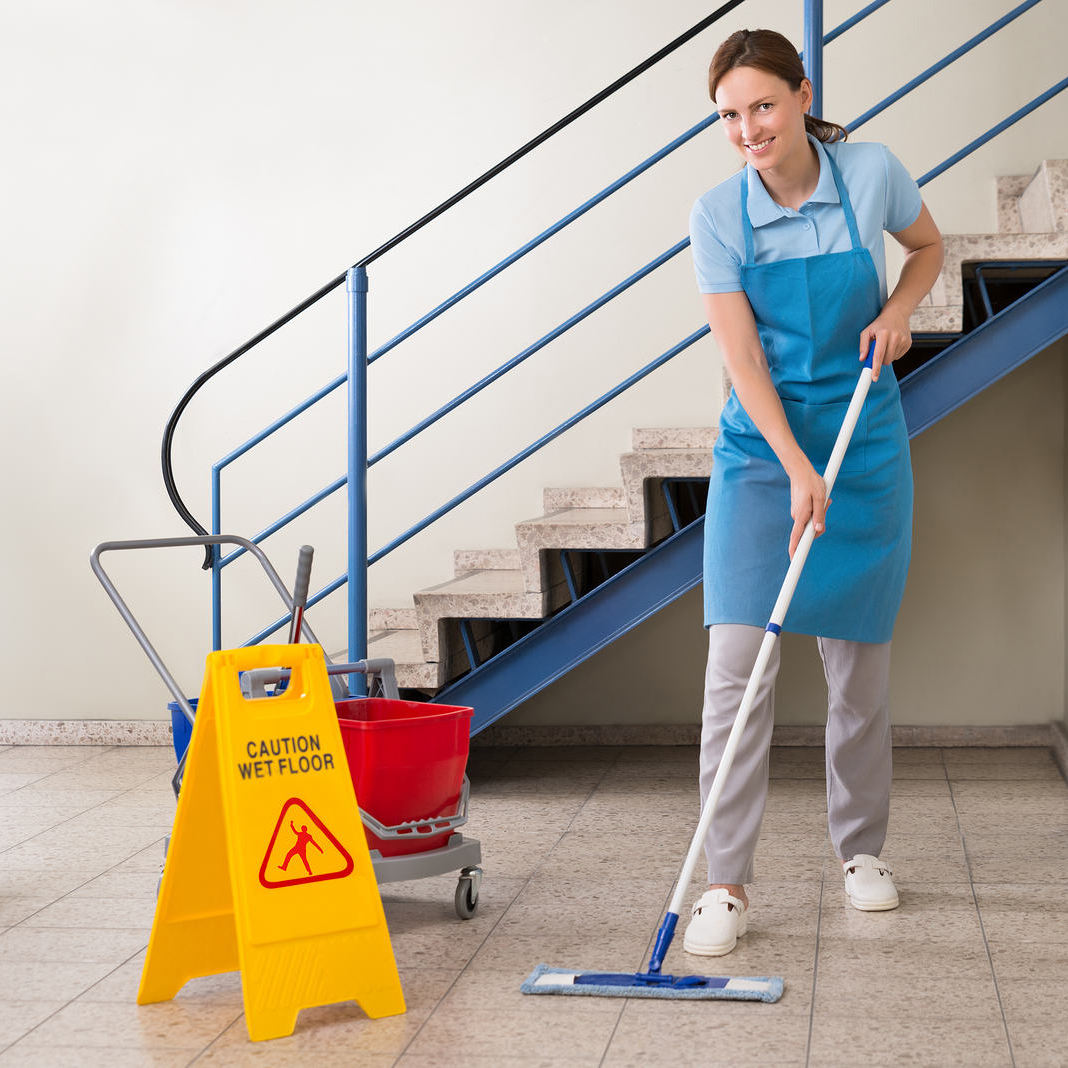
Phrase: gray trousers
(857, 745)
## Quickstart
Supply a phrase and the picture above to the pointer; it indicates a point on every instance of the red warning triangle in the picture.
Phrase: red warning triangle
(297, 854)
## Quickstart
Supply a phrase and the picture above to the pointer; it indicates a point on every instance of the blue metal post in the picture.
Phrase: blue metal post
(356, 284)
(813, 52)
(216, 559)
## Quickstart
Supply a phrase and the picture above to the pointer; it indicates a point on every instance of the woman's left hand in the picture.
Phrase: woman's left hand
(892, 336)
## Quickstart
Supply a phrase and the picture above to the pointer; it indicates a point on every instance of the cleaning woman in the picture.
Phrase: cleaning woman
(790, 262)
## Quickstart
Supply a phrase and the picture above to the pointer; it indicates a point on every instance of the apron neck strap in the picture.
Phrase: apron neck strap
(747, 226)
(847, 207)
(843, 196)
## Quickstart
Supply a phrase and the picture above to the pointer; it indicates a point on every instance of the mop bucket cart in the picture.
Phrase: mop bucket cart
(406, 758)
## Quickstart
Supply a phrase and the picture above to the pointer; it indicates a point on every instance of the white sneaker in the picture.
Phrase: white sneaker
(869, 884)
(719, 920)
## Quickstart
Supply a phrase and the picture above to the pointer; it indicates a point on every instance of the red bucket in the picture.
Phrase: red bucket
(407, 762)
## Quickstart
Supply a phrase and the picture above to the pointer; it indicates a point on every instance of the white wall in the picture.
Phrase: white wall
(180, 173)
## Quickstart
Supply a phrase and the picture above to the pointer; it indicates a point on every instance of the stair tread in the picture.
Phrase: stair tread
(657, 439)
(581, 517)
(653, 456)
(556, 498)
(479, 582)
(400, 646)
(465, 560)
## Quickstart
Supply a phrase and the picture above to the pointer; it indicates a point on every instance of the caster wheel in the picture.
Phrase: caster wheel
(467, 892)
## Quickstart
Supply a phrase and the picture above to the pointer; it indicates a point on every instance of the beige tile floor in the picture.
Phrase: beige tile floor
(580, 847)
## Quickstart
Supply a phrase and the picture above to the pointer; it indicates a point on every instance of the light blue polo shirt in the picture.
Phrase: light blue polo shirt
(883, 195)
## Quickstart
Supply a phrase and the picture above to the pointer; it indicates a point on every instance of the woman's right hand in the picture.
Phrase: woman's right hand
(808, 500)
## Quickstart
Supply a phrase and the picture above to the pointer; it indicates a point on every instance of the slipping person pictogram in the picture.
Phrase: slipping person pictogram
(277, 869)
(300, 847)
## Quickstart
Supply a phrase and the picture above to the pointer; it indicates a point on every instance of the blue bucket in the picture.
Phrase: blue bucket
(181, 728)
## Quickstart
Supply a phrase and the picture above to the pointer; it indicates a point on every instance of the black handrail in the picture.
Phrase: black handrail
(172, 423)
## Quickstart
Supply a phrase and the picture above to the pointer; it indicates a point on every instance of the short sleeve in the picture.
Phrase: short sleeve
(716, 266)
(903, 200)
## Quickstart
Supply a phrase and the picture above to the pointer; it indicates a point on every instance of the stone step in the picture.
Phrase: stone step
(650, 465)
(927, 319)
(961, 248)
(485, 560)
(405, 649)
(560, 498)
(1009, 189)
(474, 595)
(574, 528)
(1044, 202)
(682, 437)
(391, 619)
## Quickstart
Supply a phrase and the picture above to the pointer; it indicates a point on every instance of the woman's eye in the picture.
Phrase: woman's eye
(765, 107)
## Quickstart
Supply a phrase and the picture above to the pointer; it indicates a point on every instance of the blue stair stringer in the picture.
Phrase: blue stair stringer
(673, 567)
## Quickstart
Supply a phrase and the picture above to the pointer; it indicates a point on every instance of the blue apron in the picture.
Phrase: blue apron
(809, 313)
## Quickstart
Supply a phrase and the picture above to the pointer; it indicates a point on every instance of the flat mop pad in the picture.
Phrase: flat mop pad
(546, 980)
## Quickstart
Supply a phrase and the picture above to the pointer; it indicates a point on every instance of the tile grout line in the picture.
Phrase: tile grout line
(979, 914)
(481, 945)
(815, 965)
(647, 953)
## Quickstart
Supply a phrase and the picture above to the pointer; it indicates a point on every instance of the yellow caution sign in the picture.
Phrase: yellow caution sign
(268, 869)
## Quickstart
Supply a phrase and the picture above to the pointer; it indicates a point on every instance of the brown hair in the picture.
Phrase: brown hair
(768, 51)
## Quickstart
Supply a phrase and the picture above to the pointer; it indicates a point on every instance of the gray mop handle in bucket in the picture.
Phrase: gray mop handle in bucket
(300, 592)
(771, 635)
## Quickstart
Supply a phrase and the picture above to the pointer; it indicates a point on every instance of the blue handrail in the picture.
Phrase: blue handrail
(544, 440)
(544, 236)
(529, 351)
(429, 420)
(849, 23)
(682, 139)
(1015, 117)
(503, 469)
(355, 377)
(932, 70)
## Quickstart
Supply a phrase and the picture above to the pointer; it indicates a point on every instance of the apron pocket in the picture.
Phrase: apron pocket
(816, 428)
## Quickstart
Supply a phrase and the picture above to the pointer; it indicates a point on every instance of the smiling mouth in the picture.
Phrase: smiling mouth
(759, 146)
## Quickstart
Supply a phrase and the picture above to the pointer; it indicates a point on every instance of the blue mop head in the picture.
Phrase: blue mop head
(546, 980)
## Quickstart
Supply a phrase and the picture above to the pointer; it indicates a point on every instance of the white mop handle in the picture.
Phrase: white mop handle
(771, 635)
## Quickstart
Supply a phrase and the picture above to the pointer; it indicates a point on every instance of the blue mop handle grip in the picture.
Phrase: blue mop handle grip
(663, 941)
(870, 361)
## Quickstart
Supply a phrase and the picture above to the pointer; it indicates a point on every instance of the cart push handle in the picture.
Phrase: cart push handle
(138, 631)
(254, 683)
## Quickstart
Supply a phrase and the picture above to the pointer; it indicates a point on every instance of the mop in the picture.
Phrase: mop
(652, 983)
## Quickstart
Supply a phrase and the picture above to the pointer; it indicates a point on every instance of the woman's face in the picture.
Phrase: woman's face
(762, 116)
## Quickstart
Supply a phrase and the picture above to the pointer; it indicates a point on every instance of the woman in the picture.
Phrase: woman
(789, 259)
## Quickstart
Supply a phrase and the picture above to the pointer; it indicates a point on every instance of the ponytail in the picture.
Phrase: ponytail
(827, 132)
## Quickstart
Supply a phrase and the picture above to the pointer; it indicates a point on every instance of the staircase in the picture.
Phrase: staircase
(1032, 225)
(497, 599)
(584, 536)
